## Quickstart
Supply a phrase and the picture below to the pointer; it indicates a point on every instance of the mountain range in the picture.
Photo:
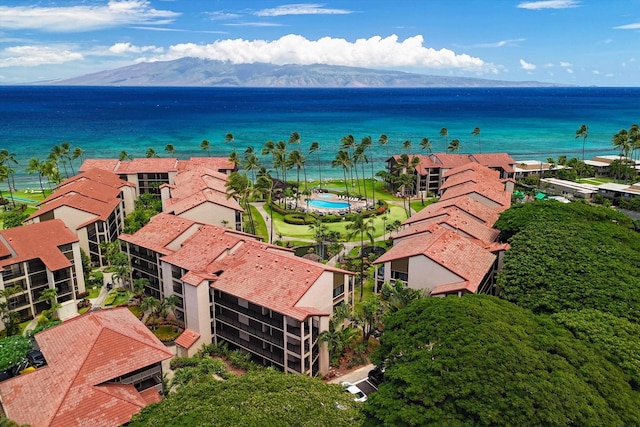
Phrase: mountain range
(202, 72)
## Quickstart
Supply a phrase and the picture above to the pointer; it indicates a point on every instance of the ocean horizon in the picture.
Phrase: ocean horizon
(527, 123)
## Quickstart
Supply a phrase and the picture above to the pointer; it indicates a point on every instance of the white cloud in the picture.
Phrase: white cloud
(569, 70)
(83, 18)
(294, 49)
(123, 48)
(549, 4)
(527, 66)
(33, 56)
(565, 64)
(301, 9)
(634, 26)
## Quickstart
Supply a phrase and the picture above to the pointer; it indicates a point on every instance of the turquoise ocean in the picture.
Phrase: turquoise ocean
(528, 123)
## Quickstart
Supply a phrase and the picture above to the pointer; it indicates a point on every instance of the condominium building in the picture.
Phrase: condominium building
(41, 256)
(430, 170)
(450, 246)
(230, 287)
(102, 368)
(93, 205)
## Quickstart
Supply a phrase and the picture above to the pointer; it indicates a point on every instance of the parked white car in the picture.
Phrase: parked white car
(358, 395)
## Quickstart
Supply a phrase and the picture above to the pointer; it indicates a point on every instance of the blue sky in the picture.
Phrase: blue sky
(581, 42)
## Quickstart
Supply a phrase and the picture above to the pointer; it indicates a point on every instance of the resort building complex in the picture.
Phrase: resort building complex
(450, 247)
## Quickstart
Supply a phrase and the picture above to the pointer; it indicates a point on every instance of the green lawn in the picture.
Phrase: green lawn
(596, 181)
(304, 232)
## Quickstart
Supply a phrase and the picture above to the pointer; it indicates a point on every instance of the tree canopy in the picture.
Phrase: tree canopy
(571, 256)
(263, 397)
(479, 360)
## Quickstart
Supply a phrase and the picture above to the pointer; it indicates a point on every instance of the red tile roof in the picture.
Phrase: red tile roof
(453, 218)
(269, 279)
(216, 163)
(103, 176)
(457, 254)
(38, 241)
(449, 160)
(187, 338)
(199, 185)
(92, 189)
(138, 165)
(100, 209)
(466, 204)
(84, 354)
(158, 234)
(491, 190)
(495, 160)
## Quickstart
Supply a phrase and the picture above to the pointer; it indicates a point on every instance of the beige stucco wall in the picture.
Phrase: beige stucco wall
(211, 213)
(320, 294)
(487, 202)
(424, 273)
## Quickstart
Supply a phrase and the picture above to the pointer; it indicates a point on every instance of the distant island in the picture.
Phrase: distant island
(207, 73)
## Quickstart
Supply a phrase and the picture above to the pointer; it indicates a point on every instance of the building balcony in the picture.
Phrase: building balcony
(258, 316)
(271, 339)
(250, 347)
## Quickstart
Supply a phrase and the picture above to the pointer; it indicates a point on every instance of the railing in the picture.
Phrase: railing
(249, 313)
(271, 339)
(251, 348)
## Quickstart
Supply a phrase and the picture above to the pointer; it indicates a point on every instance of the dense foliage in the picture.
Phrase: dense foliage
(13, 349)
(478, 360)
(258, 398)
(571, 256)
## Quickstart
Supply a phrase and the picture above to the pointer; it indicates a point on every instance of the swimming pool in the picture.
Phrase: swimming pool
(325, 204)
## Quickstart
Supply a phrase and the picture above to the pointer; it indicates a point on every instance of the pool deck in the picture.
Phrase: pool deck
(356, 204)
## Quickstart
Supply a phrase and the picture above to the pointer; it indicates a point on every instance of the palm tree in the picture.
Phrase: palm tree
(124, 156)
(476, 132)
(634, 139)
(583, 132)
(57, 154)
(51, 296)
(169, 148)
(265, 185)
(234, 159)
(621, 142)
(150, 305)
(151, 153)
(168, 304)
(406, 145)
(367, 142)
(78, 153)
(360, 156)
(425, 144)
(297, 160)
(294, 138)
(384, 141)
(315, 148)
(320, 231)
(139, 285)
(361, 227)
(6, 159)
(5, 172)
(349, 143)
(66, 152)
(206, 146)
(36, 166)
(270, 148)
(454, 146)
(343, 160)
(445, 133)
(228, 138)
(251, 162)
(239, 186)
(9, 319)
(407, 183)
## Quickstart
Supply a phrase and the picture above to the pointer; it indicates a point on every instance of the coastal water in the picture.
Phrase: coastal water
(528, 123)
